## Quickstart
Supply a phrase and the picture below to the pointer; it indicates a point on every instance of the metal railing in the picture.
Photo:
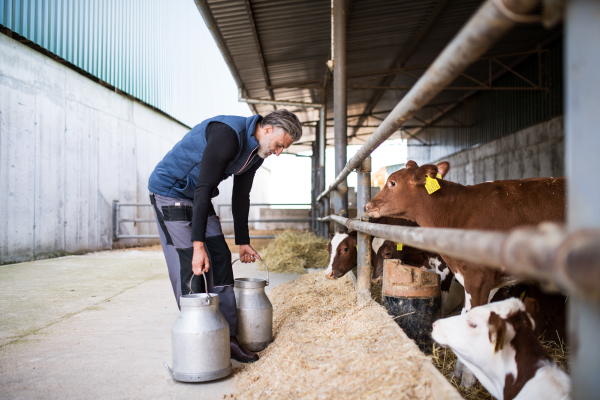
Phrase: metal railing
(117, 220)
(568, 257)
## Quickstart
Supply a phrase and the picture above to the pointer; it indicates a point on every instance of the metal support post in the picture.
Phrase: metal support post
(115, 220)
(364, 264)
(324, 226)
(314, 187)
(340, 103)
(326, 210)
(582, 101)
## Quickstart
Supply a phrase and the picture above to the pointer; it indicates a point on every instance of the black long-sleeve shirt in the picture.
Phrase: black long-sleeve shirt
(221, 147)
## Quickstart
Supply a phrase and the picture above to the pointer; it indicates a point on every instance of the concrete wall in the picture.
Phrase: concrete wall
(536, 151)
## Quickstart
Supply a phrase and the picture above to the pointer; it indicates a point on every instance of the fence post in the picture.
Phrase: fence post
(364, 264)
(115, 220)
(582, 97)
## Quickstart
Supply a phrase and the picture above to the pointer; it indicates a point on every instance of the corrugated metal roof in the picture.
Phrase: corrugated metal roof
(295, 41)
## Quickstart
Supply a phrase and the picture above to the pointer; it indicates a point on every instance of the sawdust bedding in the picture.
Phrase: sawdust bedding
(328, 347)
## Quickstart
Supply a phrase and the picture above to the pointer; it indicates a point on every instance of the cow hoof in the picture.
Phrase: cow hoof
(468, 379)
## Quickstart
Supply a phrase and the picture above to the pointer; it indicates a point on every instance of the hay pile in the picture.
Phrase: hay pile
(445, 361)
(293, 251)
(327, 347)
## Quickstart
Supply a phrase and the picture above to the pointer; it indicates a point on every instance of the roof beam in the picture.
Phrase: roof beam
(402, 57)
(259, 49)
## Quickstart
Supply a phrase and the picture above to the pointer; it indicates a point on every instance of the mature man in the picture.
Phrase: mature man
(182, 185)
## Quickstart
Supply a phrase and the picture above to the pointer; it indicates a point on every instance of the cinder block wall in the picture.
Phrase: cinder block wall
(68, 148)
(536, 151)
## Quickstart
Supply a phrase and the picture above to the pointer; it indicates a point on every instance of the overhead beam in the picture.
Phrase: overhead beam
(401, 59)
(259, 49)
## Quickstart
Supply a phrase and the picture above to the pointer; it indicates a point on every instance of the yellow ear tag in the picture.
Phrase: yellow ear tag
(399, 246)
(438, 176)
(522, 296)
(431, 184)
(357, 248)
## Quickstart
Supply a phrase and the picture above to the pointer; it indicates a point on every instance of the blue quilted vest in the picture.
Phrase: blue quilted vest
(176, 175)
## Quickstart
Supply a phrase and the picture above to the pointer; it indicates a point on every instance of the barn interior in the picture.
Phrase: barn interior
(517, 100)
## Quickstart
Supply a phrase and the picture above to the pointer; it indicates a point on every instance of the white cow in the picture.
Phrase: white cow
(497, 343)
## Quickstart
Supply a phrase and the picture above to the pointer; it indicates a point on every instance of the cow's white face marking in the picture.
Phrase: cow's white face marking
(435, 263)
(468, 336)
(377, 243)
(492, 294)
(335, 242)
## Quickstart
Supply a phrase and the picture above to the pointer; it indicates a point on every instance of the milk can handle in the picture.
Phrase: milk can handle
(264, 263)
(205, 285)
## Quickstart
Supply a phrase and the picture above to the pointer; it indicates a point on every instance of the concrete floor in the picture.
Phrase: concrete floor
(95, 326)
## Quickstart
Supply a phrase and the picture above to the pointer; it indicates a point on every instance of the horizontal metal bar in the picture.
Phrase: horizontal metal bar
(134, 205)
(483, 30)
(269, 204)
(547, 253)
(326, 218)
(253, 237)
(488, 88)
(137, 220)
(138, 237)
(278, 102)
(223, 221)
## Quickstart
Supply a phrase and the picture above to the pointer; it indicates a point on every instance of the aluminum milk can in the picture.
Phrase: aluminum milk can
(200, 339)
(255, 312)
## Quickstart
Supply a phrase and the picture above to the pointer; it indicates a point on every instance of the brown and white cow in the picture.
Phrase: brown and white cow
(548, 310)
(499, 205)
(498, 344)
(343, 258)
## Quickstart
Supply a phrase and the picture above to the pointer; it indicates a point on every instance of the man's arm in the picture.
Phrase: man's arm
(240, 200)
(222, 146)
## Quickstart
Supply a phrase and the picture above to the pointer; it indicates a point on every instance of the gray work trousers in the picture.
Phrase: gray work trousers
(174, 219)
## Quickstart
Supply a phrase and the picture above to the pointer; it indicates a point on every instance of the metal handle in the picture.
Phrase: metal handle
(205, 285)
(264, 263)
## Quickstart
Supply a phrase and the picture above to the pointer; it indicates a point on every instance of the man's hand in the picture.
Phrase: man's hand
(247, 254)
(200, 261)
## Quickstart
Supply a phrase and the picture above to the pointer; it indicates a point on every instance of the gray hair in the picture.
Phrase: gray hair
(288, 121)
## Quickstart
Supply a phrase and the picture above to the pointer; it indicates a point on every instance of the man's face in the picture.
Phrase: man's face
(274, 141)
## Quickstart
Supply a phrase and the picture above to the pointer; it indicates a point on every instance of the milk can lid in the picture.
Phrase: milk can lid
(250, 283)
(198, 299)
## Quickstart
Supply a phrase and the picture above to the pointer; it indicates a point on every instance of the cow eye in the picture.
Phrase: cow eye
(392, 183)
(472, 325)
(345, 249)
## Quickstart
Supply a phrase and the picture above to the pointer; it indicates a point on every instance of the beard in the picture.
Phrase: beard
(263, 147)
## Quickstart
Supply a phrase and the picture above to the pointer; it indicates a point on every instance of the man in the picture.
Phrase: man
(181, 187)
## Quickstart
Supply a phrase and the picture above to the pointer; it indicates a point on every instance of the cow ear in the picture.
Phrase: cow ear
(443, 168)
(532, 307)
(331, 235)
(497, 329)
(421, 174)
(411, 164)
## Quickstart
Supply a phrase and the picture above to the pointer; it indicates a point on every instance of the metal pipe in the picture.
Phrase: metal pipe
(340, 104)
(277, 102)
(314, 187)
(582, 97)
(474, 39)
(327, 210)
(364, 262)
(547, 253)
(322, 148)
(229, 221)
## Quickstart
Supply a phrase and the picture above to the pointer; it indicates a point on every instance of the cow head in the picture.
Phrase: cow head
(484, 339)
(342, 254)
(403, 190)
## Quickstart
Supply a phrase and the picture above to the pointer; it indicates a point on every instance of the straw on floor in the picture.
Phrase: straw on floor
(327, 347)
(293, 251)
